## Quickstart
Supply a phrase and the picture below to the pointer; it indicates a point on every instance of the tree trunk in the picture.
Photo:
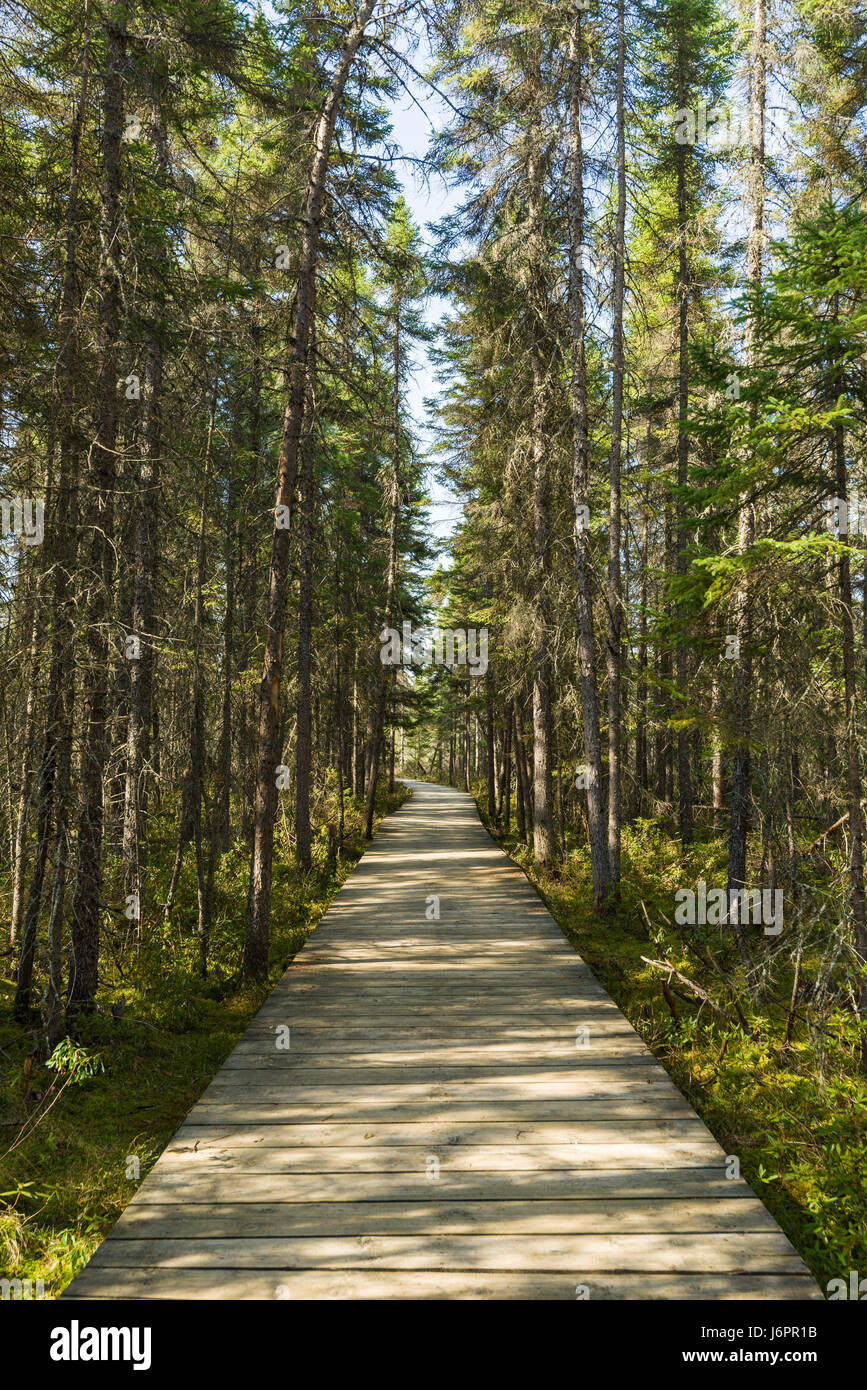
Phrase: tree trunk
(544, 842)
(223, 793)
(380, 686)
(146, 503)
(599, 859)
(739, 799)
(257, 935)
(87, 892)
(684, 771)
(22, 818)
(641, 738)
(303, 749)
(204, 875)
(520, 785)
(853, 762)
(507, 768)
(59, 558)
(718, 795)
(490, 749)
(615, 608)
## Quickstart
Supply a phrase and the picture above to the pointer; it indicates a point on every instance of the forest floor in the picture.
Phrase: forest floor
(794, 1114)
(75, 1141)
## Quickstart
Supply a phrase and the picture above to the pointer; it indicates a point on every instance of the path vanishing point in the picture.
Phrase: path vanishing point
(432, 1130)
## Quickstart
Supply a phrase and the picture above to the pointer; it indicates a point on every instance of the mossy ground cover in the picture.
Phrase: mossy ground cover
(75, 1140)
(794, 1113)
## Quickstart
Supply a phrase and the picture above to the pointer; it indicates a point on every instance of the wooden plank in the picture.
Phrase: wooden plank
(404, 1016)
(632, 1153)
(265, 1047)
(425, 974)
(206, 1184)
(434, 1136)
(365, 1109)
(237, 1220)
(515, 998)
(234, 1285)
(335, 1086)
(358, 1072)
(747, 1252)
(559, 979)
(428, 1031)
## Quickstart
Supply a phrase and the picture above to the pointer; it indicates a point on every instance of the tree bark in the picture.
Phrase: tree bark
(599, 859)
(641, 739)
(204, 875)
(59, 558)
(22, 818)
(490, 750)
(87, 892)
(146, 503)
(544, 841)
(520, 783)
(853, 761)
(380, 685)
(615, 605)
(257, 934)
(684, 771)
(303, 749)
(739, 798)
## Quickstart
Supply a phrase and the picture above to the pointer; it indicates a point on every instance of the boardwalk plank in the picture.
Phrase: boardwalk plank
(632, 1153)
(364, 1110)
(581, 1216)
(529, 1285)
(745, 1252)
(206, 1184)
(426, 1135)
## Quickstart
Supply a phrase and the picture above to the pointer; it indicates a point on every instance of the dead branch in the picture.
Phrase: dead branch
(820, 839)
(668, 968)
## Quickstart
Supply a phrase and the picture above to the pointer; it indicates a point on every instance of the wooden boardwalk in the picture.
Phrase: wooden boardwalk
(436, 1127)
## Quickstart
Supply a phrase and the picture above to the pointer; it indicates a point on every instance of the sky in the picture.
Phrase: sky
(414, 115)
